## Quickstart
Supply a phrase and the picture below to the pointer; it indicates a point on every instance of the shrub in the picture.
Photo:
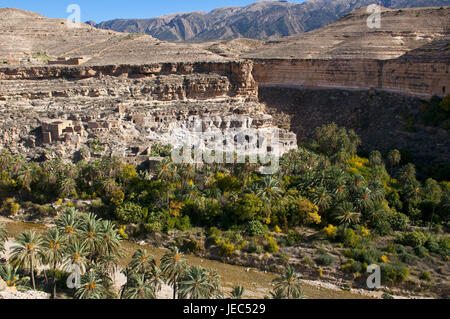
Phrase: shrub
(190, 246)
(350, 238)
(330, 231)
(256, 228)
(10, 206)
(413, 239)
(324, 260)
(227, 248)
(426, 275)
(214, 231)
(382, 227)
(365, 255)
(254, 247)
(353, 266)
(393, 273)
(130, 212)
(153, 227)
(433, 245)
(284, 258)
(421, 251)
(271, 246)
(293, 238)
(398, 221)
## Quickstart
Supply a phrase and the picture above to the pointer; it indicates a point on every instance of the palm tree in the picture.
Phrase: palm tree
(26, 253)
(346, 214)
(394, 158)
(157, 279)
(3, 238)
(321, 198)
(91, 287)
(52, 253)
(90, 233)
(68, 224)
(195, 284)
(187, 173)
(288, 284)
(76, 253)
(66, 187)
(111, 239)
(375, 158)
(12, 278)
(173, 266)
(214, 279)
(137, 287)
(364, 200)
(142, 262)
(168, 173)
(237, 292)
(270, 189)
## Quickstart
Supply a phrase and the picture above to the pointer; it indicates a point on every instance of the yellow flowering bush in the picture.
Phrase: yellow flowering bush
(330, 231)
(364, 231)
(122, 232)
(271, 246)
(227, 248)
(11, 206)
(384, 259)
(314, 218)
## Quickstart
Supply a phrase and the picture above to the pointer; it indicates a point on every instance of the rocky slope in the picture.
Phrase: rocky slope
(30, 38)
(409, 54)
(350, 37)
(261, 20)
(133, 92)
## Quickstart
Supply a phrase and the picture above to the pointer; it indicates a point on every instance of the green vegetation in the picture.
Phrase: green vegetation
(42, 56)
(373, 208)
(95, 246)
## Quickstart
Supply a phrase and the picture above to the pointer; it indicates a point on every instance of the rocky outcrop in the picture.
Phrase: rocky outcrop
(170, 81)
(413, 77)
(62, 110)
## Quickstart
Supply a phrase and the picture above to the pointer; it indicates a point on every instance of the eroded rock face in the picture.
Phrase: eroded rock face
(379, 118)
(189, 80)
(125, 109)
(413, 77)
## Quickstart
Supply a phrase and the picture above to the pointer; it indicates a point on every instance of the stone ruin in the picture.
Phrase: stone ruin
(69, 61)
(129, 132)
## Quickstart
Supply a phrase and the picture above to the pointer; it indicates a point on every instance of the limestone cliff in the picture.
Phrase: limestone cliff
(414, 77)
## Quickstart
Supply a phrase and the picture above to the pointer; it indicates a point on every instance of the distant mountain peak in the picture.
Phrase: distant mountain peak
(263, 20)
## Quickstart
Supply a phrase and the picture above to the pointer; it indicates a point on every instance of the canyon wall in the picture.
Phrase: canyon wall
(170, 81)
(422, 78)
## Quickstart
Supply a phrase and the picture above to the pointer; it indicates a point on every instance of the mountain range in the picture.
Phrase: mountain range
(264, 20)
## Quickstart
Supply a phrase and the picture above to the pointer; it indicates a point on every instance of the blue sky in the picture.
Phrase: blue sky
(101, 10)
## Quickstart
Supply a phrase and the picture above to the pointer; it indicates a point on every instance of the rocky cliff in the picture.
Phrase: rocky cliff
(161, 81)
(418, 77)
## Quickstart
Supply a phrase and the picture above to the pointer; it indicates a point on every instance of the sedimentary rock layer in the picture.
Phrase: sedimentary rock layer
(190, 80)
(413, 77)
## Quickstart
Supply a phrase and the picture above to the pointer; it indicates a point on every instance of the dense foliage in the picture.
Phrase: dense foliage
(323, 185)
